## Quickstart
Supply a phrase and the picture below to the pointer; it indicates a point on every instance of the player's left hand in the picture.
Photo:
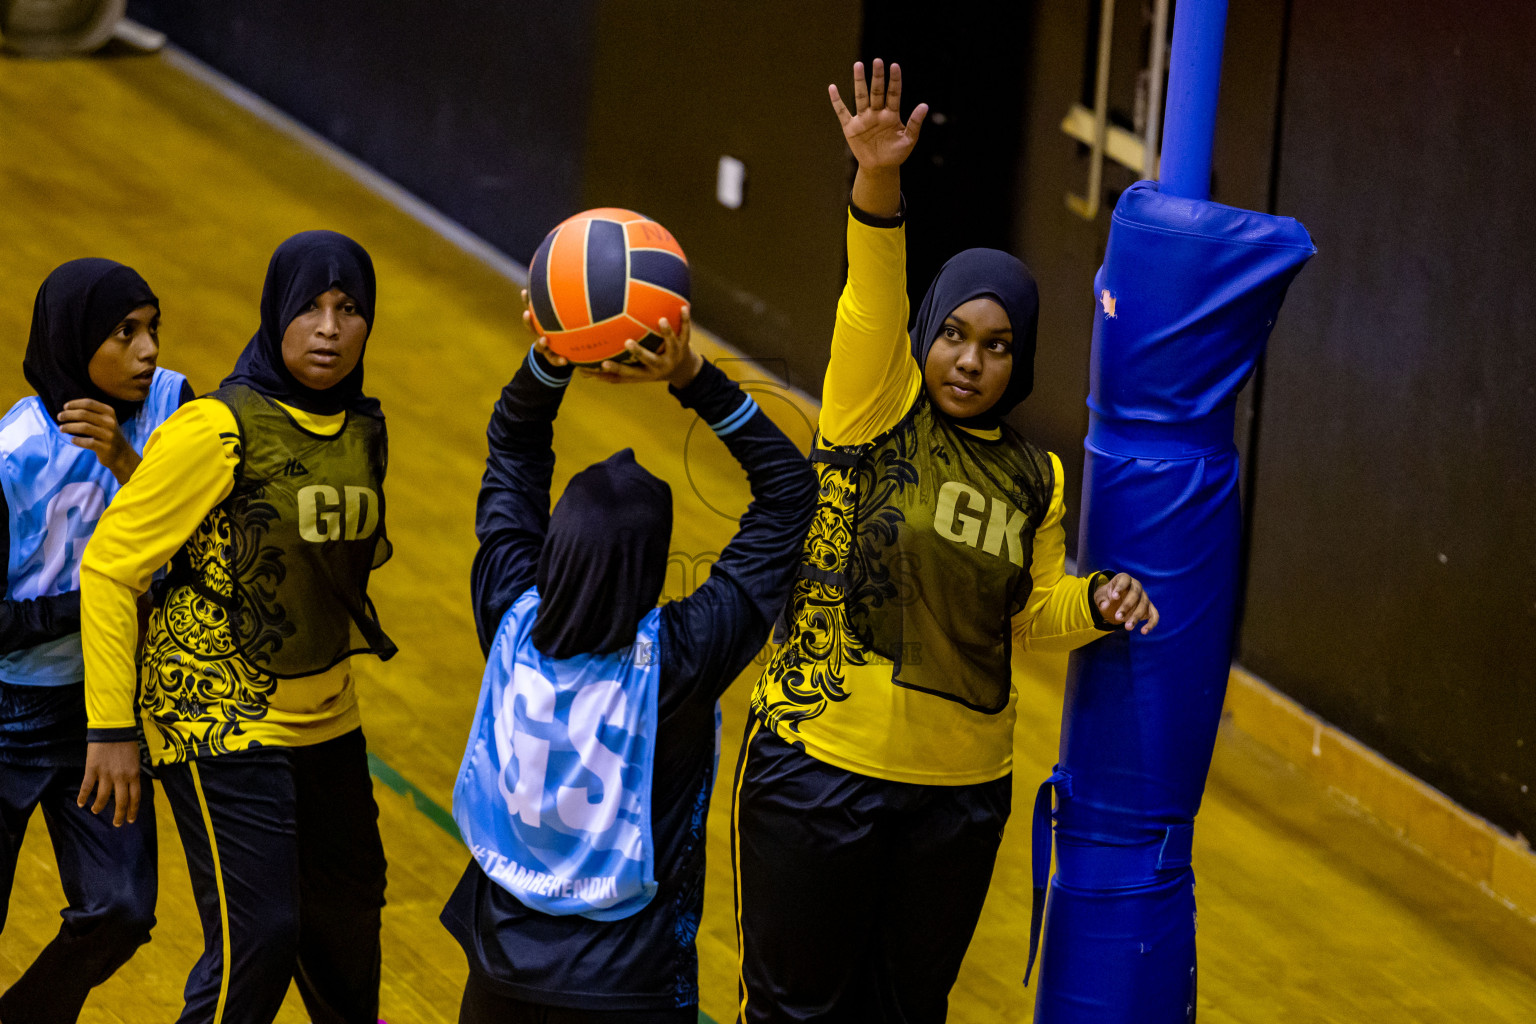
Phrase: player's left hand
(874, 129)
(673, 360)
(92, 424)
(1123, 599)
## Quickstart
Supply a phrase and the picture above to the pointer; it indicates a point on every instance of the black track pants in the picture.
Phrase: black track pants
(857, 896)
(288, 870)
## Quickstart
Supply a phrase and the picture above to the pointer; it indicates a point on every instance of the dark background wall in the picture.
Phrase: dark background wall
(480, 109)
(768, 275)
(676, 85)
(960, 182)
(1390, 436)
(1395, 486)
(510, 117)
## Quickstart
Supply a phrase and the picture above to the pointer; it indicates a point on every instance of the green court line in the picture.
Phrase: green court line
(406, 788)
(433, 810)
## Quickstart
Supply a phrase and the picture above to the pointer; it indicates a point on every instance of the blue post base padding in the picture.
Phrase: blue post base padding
(1187, 296)
(1142, 952)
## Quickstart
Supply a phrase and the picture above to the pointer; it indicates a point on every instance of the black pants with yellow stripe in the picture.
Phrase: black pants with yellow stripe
(856, 896)
(287, 866)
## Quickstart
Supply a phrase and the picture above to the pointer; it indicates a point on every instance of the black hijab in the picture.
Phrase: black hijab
(76, 309)
(1001, 277)
(310, 263)
(604, 559)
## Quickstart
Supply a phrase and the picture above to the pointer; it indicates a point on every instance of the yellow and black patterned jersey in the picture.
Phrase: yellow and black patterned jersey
(934, 551)
(198, 697)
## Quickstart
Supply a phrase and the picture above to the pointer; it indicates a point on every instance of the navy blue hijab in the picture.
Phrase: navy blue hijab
(310, 263)
(1003, 278)
(604, 559)
(77, 307)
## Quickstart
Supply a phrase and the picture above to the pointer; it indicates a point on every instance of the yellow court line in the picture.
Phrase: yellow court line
(741, 946)
(218, 875)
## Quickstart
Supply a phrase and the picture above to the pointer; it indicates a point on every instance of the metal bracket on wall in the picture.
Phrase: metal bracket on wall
(1087, 207)
(1158, 61)
(1121, 146)
(1092, 127)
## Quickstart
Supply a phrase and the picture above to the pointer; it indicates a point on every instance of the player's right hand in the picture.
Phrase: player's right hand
(874, 130)
(112, 772)
(673, 361)
(92, 424)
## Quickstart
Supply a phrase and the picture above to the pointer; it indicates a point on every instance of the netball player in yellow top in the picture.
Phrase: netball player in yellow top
(875, 779)
(266, 497)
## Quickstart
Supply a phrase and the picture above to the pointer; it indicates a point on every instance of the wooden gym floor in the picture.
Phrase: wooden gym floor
(1310, 911)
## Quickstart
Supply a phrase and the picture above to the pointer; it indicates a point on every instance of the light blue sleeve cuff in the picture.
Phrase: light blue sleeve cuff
(544, 376)
(734, 421)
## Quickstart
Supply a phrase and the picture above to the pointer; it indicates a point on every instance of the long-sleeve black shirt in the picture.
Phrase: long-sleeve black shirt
(646, 961)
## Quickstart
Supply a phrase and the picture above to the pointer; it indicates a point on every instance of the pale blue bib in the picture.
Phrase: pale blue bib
(56, 491)
(554, 796)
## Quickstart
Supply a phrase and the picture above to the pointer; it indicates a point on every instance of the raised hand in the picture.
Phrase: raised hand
(92, 424)
(874, 129)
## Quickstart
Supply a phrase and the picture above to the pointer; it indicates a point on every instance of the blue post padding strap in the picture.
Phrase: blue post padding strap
(1153, 439)
(1109, 866)
(1187, 296)
(1040, 857)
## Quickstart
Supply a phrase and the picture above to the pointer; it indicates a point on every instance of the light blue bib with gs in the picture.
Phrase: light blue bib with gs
(554, 796)
(56, 491)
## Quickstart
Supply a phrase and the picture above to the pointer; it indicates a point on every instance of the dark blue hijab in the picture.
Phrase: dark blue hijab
(310, 263)
(1001, 277)
(77, 307)
(604, 559)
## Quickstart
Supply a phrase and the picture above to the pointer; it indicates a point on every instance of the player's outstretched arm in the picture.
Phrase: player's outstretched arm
(721, 625)
(512, 513)
(871, 378)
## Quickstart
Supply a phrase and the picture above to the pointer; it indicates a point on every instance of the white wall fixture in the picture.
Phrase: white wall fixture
(731, 183)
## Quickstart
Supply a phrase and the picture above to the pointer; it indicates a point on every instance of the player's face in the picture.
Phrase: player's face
(325, 341)
(124, 365)
(971, 359)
